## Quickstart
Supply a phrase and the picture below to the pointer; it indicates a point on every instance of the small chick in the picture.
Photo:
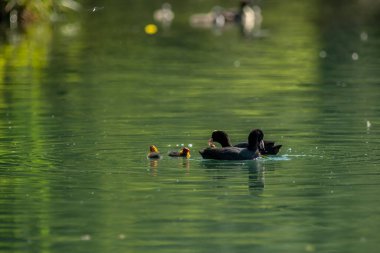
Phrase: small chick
(154, 153)
(184, 152)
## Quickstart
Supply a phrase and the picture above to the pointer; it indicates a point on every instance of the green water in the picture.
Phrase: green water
(81, 102)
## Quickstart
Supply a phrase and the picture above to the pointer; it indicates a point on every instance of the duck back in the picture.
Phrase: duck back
(229, 153)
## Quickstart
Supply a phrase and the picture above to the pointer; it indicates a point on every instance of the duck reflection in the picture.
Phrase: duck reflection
(256, 178)
(255, 172)
(153, 167)
(183, 163)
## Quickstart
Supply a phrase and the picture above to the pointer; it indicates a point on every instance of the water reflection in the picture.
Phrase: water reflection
(184, 163)
(79, 105)
(256, 177)
(153, 163)
(221, 171)
(177, 162)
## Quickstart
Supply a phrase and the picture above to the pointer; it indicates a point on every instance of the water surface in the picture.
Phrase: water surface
(82, 101)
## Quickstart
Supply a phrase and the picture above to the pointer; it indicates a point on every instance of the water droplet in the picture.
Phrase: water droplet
(323, 54)
(85, 237)
(237, 64)
(96, 8)
(355, 56)
(310, 248)
(364, 36)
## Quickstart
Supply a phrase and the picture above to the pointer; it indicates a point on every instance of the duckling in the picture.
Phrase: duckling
(184, 152)
(154, 153)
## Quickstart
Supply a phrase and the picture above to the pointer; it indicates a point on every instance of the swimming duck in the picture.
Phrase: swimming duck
(154, 153)
(184, 152)
(255, 141)
(222, 138)
(214, 18)
(165, 15)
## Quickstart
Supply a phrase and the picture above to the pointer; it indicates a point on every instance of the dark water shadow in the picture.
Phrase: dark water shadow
(219, 171)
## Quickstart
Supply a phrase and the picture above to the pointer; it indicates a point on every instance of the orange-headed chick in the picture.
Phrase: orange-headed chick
(154, 153)
(184, 152)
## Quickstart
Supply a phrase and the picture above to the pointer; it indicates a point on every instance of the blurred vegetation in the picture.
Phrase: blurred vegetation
(26, 11)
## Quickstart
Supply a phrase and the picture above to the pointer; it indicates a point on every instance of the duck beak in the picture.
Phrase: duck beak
(261, 145)
(211, 143)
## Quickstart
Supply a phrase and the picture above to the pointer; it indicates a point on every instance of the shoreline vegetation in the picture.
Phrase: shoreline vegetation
(20, 13)
(26, 36)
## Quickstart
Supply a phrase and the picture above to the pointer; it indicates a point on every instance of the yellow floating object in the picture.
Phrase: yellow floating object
(150, 29)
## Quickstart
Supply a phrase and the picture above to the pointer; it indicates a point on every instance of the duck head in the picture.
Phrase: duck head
(255, 139)
(185, 152)
(244, 3)
(220, 137)
(153, 148)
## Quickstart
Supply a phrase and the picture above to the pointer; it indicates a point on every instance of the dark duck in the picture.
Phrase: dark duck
(183, 152)
(250, 152)
(222, 138)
